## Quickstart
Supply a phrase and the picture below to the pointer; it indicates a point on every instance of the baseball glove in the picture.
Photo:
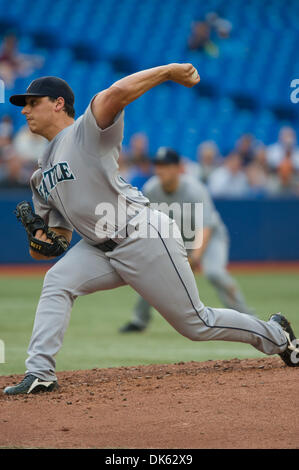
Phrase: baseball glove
(32, 224)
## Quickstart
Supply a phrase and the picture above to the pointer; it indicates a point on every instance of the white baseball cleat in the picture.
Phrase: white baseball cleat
(291, 354)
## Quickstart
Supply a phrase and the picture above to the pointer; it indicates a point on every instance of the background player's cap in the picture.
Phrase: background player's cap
(166, 156)
(46, 86)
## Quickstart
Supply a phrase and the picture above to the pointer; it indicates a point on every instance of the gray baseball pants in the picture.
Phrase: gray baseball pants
(214, 267)
(158, 269)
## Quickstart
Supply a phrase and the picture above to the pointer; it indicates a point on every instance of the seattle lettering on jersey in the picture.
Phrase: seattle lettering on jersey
(56, 174)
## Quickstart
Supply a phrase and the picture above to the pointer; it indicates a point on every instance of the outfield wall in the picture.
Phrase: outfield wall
(260, 230)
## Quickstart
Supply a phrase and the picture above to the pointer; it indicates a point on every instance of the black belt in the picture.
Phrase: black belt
(108, 245)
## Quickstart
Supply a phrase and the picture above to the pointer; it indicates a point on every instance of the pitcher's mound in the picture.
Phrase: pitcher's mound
(215, 404)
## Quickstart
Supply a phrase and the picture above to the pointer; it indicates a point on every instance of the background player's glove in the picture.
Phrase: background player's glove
(32, 224)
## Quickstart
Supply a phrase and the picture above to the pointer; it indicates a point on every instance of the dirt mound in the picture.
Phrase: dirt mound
(214, 404)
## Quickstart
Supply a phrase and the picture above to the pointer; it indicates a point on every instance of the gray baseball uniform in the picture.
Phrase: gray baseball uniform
(215, 258)
(78, 172)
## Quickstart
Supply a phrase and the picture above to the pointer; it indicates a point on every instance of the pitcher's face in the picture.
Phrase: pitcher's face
(39, 113)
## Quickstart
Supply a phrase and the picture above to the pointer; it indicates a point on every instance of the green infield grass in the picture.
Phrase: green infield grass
(92, 339)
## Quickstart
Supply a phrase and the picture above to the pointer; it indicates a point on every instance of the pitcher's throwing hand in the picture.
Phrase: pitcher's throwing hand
(184, 74)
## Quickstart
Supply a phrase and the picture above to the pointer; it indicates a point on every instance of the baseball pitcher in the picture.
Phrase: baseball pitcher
(78, 186)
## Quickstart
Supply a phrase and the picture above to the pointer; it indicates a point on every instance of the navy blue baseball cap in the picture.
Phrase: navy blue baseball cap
(46, 86)
(166, 156)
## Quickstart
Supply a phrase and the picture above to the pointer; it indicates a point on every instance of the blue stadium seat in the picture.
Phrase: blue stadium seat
(95, 42)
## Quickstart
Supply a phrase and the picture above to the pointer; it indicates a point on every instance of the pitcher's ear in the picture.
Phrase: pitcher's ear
(59, 103)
